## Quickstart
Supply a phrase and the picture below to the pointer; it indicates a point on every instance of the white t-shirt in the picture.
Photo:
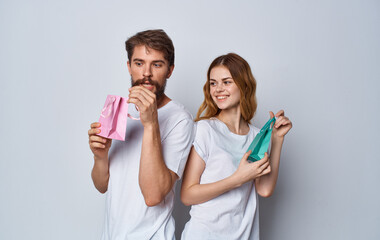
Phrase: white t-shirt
(234, 214)
(127, 216)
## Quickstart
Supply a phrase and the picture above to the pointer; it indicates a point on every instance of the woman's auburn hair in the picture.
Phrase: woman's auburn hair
(243, 78)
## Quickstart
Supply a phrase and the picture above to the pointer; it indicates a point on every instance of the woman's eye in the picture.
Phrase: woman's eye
(212, 84)
(227, 82)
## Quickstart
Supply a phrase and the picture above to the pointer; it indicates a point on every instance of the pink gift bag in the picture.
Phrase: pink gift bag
(113, 118)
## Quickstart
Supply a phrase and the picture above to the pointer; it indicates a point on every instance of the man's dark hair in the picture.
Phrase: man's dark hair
(155, 39)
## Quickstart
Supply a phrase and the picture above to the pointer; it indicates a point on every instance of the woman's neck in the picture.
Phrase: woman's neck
(234, 121)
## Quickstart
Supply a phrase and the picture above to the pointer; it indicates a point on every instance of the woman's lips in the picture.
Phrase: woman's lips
(221, 98)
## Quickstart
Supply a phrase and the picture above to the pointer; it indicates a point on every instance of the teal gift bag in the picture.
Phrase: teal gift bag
(260, 144)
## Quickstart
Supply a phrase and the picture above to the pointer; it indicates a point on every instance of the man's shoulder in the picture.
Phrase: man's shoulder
(175, 120)
(176, 111)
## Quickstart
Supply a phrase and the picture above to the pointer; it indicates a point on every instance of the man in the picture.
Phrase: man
(139, 173)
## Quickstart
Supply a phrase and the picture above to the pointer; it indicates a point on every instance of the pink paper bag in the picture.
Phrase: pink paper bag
(113, 118)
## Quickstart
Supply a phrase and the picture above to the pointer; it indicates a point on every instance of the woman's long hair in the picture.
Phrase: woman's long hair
(243, 78)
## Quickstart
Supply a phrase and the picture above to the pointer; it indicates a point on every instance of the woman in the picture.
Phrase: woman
(219, 182)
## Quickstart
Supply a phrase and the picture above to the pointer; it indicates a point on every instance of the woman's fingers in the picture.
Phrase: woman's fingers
(263, 160)
(280, 113)
(265, 171)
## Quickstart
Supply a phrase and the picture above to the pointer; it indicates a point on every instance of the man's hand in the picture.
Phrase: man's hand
(98, 145)
(146, 103)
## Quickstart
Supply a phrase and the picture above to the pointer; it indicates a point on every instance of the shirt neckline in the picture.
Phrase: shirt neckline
(228, 130)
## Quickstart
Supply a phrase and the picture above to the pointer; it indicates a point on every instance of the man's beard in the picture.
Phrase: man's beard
(160, 89)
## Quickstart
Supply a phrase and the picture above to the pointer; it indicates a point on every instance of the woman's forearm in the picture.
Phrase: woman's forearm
(199, 193)
(266, 184)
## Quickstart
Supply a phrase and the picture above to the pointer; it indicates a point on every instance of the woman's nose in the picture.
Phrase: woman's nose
(219, 87)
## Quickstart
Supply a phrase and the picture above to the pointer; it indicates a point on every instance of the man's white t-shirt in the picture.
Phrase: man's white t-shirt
(127, 216)
(234, 214)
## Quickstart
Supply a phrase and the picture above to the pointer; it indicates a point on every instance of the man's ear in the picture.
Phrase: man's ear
(129, 67)
(171, 68)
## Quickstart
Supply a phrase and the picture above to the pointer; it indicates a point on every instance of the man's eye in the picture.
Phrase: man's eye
(157, 65)
(138, 63)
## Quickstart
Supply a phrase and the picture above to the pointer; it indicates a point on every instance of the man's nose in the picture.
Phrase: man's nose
(147, 71)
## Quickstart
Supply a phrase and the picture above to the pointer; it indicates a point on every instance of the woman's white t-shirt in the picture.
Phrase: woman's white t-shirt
(234, 214)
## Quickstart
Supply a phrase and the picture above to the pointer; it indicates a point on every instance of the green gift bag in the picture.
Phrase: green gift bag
(260, 144)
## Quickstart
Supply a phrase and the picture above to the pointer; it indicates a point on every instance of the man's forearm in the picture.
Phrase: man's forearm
(155, 178)
(100, 174)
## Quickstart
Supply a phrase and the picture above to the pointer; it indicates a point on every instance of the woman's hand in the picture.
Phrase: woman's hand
(248, 171)
(282, 125)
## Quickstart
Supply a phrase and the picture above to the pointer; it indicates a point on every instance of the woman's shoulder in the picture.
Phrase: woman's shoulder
(206, 123)
(206, 126)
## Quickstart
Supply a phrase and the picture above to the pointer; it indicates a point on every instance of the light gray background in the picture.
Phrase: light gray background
(318, 60)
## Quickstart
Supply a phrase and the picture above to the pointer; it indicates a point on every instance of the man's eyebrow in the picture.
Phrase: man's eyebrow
(159, 61)
(141, 60)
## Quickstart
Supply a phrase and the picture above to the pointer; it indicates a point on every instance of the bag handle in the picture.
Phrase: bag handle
(133, 118)
(269, 124)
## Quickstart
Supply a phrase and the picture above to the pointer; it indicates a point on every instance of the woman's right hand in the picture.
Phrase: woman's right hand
(98, 145)
(248, 171)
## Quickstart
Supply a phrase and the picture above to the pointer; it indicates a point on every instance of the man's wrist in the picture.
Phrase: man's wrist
(100, 159)
(151, 126)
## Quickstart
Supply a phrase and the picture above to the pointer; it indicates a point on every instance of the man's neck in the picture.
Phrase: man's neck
(162, 101)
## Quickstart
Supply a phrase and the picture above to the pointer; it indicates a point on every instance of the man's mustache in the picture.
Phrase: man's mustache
(145, 80)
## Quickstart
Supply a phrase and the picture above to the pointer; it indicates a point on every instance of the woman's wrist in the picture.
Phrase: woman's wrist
(278, 140)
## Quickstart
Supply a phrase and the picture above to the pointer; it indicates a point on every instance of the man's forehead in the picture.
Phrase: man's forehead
(143, 51)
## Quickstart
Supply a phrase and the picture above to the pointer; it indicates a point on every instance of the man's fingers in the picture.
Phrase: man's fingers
(93, 131)
(143, 97)
(95, 125)
(137, 102)
(271, 114)
(143, 89)
(97, 145)
(95, 138)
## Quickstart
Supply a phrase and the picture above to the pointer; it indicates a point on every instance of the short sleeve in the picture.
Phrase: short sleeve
(202, 139)
(176, 145)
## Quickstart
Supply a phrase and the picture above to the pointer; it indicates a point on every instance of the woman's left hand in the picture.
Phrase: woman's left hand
(282, 124)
